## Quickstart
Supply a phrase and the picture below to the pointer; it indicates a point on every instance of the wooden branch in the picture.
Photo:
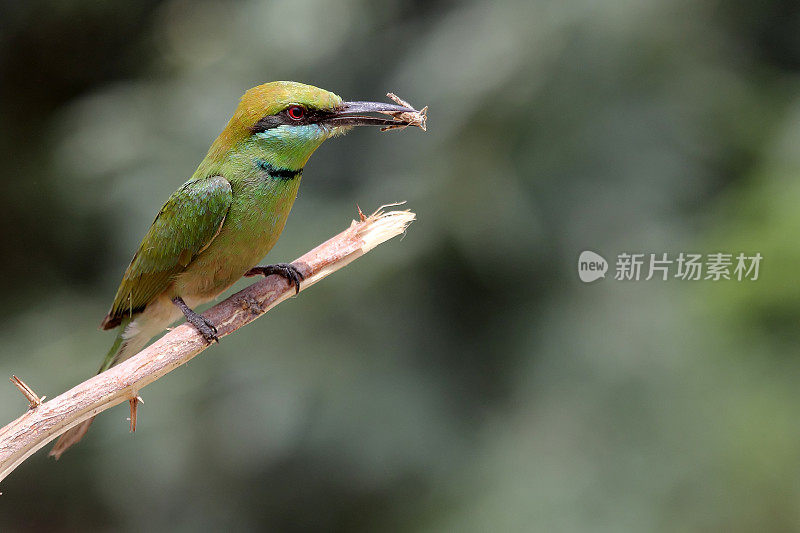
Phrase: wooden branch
(45, 421)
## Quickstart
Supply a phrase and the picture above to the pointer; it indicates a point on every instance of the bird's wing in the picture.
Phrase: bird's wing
(184, 227)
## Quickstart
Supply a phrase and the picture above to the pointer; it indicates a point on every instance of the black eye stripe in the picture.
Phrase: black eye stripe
(310, 116)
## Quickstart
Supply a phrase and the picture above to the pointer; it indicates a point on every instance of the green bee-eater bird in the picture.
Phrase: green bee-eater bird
(220, 223)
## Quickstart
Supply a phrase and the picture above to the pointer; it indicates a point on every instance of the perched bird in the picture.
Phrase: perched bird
(220, 223)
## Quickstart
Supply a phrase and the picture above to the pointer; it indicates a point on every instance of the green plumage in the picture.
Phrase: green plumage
(232, 210)
(229, 214)
(184, 227)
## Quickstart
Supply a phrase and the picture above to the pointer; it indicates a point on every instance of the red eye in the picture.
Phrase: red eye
(296, 112)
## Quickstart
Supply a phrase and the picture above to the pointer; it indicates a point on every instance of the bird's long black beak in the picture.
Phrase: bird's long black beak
(347, 114)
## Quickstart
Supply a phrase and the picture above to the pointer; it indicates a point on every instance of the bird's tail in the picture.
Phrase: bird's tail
(120, 350)
(134, 334)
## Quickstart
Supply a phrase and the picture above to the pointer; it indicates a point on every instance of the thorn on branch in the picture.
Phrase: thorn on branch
(134, 405)
(33, 400)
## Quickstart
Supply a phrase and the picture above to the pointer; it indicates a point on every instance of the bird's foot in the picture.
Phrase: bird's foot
(202, 324)
(285, 270)
(205, 327)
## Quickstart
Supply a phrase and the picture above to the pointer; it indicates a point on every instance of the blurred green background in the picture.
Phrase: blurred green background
(462, 379)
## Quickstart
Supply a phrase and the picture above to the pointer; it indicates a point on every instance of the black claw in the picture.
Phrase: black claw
(206, 329)
(202, 324)
(285, 270)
